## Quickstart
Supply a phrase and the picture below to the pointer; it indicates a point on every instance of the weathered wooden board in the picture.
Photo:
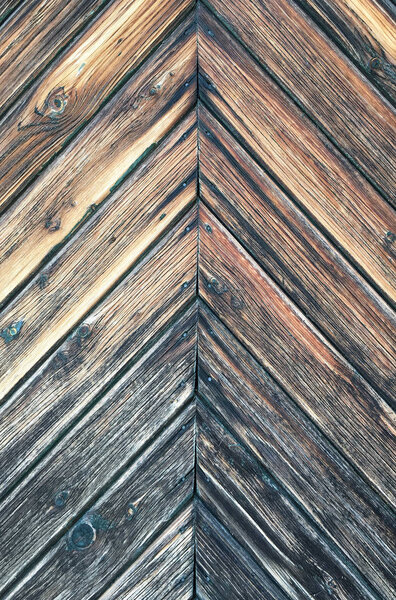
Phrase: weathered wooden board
(311, 169)
(365, 30)
(339, 401)
(113, 531)
(111, 336)
(135, 119)
(292, 449)
(33, 35)
(103, 250)
(79, 82)
(322, 80)
(219, 575)
(165, 570)
(297, 256)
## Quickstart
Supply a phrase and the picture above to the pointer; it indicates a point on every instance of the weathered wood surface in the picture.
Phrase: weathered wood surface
(286, 443)
(322, 80)
(79, 82)
(365, 30)
(297, 256)
(113, 531)
(338, 400)
(296, 152)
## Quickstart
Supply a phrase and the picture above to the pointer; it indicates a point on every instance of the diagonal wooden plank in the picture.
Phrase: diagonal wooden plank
(297, 256)
(286, 443)
(112, 335)
(120, 525)
(322, 182)
(165, 570)
(322, 80)
(134, 120)
(336, 398)
(111, 242)
(78, 83)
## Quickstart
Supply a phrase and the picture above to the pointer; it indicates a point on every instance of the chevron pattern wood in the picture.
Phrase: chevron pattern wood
(197, 295)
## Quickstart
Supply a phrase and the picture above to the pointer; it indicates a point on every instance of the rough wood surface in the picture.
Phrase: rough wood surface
(313, 172)
(113, 531)
(322, 80)
(297, 256)
(338, 400)
(78, 83)
(294, 451)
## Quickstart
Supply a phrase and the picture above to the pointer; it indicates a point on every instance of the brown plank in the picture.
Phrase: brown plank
(297, 256)
(164, 571)
(109, 244)
(224, 569)
(258, 513)
(114, 530)
(337, 96)
(133, 121)
(33, 35)
(292, 449)
(311, 170)
(76, 85)
(365, 30)
(110, 337)
(337, 399)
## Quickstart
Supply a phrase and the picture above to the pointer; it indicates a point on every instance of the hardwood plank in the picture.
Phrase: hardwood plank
(292, 449)
(224, 569)
(311, 169)
(80, 80)
(258, 513)
(110, 243)
(337, 399)
(365, 30)
(297, 256)
(110, 337)
(324, 82)
(117, 527)
(33, 35)
(165, 570)
(103, 153)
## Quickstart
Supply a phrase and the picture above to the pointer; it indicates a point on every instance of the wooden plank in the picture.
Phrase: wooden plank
(257, 512)
(290, 447)
(307, 64)
(224, 569)
(114, 530)
(297, 256)
(78, 83)
(337, 399)
(365, 30)
(109, 244)
(7, 7)
(165, 571)
(33, 35)
(310, 169)
(133, 121)
(110, 337)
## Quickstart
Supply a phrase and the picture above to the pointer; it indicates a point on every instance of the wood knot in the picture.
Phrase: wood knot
(12, 332)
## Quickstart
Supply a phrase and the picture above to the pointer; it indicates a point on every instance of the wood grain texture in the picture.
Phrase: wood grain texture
(296, 152)
(365, 30)
(165, 569)
(33, 35)
(297, 256)
(336, 398)
(119, 328)
(323, 81)
(133, 121)
(78, 83)
(265, 521)
(114, 530)
(102, 251)
(216, 553)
